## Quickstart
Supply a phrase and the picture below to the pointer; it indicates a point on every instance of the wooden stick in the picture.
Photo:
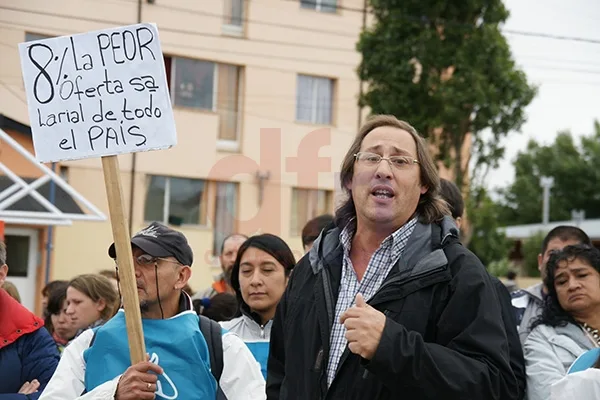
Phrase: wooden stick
(118, 221)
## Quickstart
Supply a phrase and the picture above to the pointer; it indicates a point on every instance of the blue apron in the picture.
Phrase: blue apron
(260, 351)
(176, 344)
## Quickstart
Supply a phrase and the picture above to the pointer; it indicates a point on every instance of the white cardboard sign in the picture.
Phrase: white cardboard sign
(97, 94)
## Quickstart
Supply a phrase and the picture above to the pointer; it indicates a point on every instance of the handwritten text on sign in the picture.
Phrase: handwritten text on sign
(97, 94)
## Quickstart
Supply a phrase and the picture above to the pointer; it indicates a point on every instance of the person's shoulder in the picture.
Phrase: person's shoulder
(463, 261)
(523, 295)
(541, 332)
(231, 324)
(232, 342)
(82, 341)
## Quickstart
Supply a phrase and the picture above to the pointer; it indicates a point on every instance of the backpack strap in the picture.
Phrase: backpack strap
(213, 335)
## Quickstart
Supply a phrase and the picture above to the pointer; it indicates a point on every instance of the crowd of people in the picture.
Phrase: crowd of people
(386, 303)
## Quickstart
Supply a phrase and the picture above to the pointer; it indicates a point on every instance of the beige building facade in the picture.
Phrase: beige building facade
(264, 94)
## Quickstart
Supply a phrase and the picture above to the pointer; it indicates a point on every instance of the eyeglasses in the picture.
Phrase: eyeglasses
(145, 260)
(372, 159)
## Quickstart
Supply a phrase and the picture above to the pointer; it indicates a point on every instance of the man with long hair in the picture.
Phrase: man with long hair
(388, 304)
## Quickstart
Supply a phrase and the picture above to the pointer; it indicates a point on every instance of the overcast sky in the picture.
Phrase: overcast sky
(567, 72)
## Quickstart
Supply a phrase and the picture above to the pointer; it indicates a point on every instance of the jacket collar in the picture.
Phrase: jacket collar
(575, 333)
(420, 244)
(15, 320)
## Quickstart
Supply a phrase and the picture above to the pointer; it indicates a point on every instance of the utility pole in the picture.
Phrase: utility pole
(134, 155)
(546, 183)
(360, 85)
(578, 216)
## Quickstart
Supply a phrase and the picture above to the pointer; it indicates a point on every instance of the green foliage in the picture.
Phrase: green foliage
(500, 268)
(576, 171)
(530, 249)
(487, 242)
(411, 51)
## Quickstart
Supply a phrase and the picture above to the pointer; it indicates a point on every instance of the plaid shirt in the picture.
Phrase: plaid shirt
(379, 267)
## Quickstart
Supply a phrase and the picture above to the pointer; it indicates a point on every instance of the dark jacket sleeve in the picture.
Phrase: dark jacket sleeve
(39, 361)
(517, 360)
(469, 359)
(276, 363)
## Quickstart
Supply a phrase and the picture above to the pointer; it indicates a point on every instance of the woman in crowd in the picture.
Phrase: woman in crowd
(570, 319)
(91, 301)
(58, 323)
(259, 278)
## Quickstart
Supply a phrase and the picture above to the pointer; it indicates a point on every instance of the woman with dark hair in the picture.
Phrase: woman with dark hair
(58, 323)
(259, 278)
(568, 326)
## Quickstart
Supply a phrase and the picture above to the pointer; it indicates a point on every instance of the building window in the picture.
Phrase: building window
(29, 37)
(228, 97)
(175, 201)
(320, 5)
(314, 100)
(233, 16)
(225, 213)
(63, 172)
(208, 86)
(306, 205)
(193, 83)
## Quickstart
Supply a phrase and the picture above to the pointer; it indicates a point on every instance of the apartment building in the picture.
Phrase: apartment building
(264, 96)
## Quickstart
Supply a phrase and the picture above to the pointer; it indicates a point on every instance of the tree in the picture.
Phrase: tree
(575, 168)
(445, 67)
(532, 246)
(487, 242)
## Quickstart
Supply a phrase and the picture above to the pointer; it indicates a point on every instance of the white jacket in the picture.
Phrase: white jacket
(241, 378)
(584, 385)
(549, 352)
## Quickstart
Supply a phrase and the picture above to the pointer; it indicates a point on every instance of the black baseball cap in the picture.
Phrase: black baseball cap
(159, 240)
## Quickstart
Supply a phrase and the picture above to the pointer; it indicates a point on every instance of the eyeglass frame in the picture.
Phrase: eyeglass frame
(151, 261)
(411, 160)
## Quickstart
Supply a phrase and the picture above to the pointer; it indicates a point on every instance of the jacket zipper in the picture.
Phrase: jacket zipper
(331, 314)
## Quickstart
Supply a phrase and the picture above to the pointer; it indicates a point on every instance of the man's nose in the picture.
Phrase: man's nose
(384, 170)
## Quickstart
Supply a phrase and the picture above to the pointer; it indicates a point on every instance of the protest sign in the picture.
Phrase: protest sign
(96, 94)
(100, 94)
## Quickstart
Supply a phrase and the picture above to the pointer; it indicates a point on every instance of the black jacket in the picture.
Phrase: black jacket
(444, 337)
(517, 360)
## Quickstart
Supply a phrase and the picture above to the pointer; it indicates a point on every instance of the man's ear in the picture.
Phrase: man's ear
(185, 273)
(458, 221)
(3, 273)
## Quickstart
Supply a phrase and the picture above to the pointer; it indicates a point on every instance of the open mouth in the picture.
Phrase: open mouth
(382, 192)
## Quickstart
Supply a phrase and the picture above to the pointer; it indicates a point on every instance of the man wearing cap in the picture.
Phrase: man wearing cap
(96, 365)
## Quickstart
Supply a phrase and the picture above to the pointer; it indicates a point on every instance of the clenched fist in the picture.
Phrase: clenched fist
(364, 327)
